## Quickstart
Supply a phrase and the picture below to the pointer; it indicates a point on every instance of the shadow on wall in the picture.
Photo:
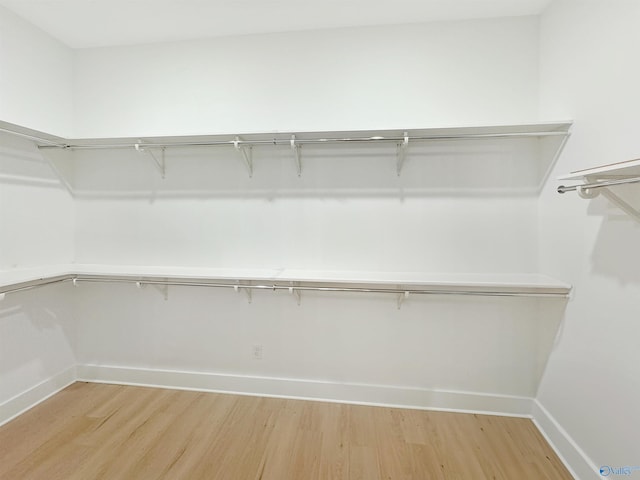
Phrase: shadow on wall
(615, 253)
(21, 163)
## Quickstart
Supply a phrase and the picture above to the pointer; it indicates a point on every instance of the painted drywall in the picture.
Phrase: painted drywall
(37, 213)
(431, 343)
(37, 347)
(467, 208)
(457, 207)
(349, 210)
(37, 343)
(36, 77)
(592, 385)
(435, 74)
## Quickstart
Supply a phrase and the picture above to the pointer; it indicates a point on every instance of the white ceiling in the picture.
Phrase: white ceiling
(94, 23)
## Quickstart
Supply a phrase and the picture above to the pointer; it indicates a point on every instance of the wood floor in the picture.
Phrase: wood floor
(92, 431)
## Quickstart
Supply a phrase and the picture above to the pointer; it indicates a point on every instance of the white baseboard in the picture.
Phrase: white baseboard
(33, 396)
(404, 397)
(574, 458)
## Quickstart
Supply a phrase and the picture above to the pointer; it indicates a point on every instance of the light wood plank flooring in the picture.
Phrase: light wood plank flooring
(93, 431)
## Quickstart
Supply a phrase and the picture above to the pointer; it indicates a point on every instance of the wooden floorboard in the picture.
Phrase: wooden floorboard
(94, 431)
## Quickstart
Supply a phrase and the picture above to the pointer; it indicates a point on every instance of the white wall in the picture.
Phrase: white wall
(438, 74)
(37, 346)
(589, 73)
(36, 212)
(457, 207)
(446, 213)
(36, 215)
(36, 77)
(481, 345)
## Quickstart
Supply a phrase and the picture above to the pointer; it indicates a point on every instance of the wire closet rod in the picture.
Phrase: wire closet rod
(270, 286)
(602, 184)
(279, 286)
(300, 141)
(31, 285)
(36, 138)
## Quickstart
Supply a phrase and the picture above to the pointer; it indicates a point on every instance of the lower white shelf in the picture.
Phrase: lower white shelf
(520, 285)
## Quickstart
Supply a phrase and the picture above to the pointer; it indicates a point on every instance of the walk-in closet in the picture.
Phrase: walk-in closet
(319, 241)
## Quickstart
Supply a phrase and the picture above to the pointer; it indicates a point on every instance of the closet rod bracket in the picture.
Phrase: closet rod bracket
(163, 288)
(295, 149)
(402, 296)
(296, 293)
(246, 290)
(247, 154)
(159, 162)
(401, 153)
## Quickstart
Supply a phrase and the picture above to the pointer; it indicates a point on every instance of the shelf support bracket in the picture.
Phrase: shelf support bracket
(159, 163)
(402, 296)
(247, 155)
(402, 153)
(295, 149)
(163, 289)
(296, 293)
(247, 291)
(624, 206)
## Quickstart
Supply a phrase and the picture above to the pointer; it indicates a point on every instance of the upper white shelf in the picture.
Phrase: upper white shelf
(526, 285)
(301, 137)
(243, 143)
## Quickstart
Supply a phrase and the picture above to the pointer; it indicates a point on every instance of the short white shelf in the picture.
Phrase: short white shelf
(607, 180)
(626, 169)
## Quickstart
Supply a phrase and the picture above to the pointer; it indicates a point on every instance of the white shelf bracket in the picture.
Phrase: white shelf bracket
(402, 153)
(401, 298)
(159, 162)
(295, 149)
(247, 291)
(296, 293)
(624, 206)
(247, 154)
(163, 289)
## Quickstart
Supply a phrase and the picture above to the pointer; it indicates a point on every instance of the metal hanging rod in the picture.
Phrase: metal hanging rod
(270, 286)
(20, 287)
(602, 184)
(281, 286)
(300, 141)
(36, 138)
